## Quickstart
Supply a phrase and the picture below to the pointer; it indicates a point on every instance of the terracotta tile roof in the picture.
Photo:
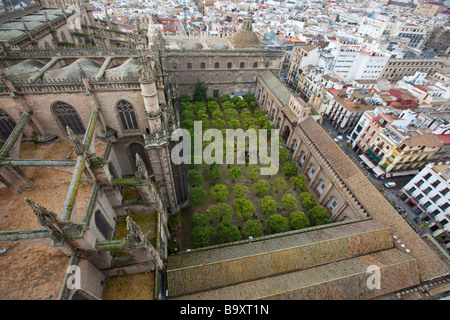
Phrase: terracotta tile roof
(290, 115)
(429, 140)
(221, 266)
(444, 138)
(308, 48)
(276, 87)
(374, 202)
(345, 279)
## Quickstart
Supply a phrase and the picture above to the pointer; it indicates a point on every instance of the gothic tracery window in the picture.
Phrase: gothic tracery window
(7, 125)
(127, 116)
(68, 116)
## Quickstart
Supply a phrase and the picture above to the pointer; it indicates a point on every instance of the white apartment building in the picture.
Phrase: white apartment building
(375, 28)
(415, 33)
(288, 55)
(429, 191)
(364, 121)
(345, 110)
(357, 62)
(378, 29)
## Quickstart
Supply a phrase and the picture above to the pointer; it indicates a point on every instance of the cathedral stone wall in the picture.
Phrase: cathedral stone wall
(225, 71)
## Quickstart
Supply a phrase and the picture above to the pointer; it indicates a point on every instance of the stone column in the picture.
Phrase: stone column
(151, 105)
(162, 171)
(158, 143)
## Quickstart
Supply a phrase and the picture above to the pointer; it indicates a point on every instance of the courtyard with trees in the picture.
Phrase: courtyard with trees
(231, 202)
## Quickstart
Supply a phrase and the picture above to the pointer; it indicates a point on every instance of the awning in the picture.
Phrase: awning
(404, 173)
(378, 170)
(367, 161)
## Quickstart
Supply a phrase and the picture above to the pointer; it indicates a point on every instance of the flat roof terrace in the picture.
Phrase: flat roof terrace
(33, 269)
(50, 186)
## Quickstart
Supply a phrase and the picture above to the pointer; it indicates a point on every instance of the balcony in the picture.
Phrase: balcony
(373, 156)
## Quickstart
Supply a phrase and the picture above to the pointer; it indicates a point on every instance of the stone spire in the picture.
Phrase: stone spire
(146, 72)
(151, 33)
(141, 173)
(77, 145)
(46, 218)
(135, 237)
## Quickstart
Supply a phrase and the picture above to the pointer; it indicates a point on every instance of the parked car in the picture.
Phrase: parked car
(338, 138)
(390, 184)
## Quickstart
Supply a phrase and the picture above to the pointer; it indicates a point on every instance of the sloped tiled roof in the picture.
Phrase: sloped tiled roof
(427, 139)
(74, 70)
(23, 68)
(221, 266)
(345, 279)
(374, 202)
(129, 68)
(276, 87)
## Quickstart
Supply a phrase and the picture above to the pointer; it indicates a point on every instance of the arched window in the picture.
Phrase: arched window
(286, 133)
(320, 187)
(112, 171)
(7, 125)
(332, 204)
(102, 225)
(68, 117)
(294, 145)
(127, 116)
(311, 171)
(278, 122)
(302, 158)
